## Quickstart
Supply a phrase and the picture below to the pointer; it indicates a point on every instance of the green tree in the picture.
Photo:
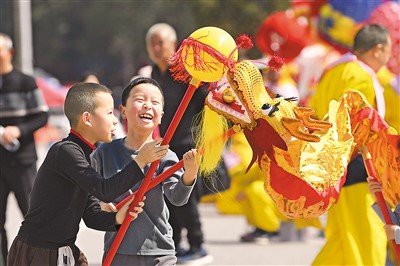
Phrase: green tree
(108, 37)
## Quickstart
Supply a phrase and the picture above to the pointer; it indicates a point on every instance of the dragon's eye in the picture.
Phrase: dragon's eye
(269, 110)
(278, 96)
(266, 108)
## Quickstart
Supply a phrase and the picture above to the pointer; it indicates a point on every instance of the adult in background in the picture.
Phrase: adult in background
(22, 112)
(354, 234)
(161, 43)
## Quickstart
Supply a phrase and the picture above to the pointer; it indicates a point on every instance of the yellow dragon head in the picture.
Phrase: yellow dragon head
(303, 159)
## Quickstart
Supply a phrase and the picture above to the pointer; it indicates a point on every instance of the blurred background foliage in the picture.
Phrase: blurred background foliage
(72, 37)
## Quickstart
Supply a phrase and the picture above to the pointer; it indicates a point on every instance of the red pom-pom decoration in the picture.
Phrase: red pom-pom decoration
(276, 62)
(244, 41)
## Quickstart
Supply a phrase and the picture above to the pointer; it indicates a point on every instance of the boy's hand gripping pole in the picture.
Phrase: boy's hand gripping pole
(170, 171)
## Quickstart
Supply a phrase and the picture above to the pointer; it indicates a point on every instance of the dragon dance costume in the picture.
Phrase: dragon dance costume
(354, 233)
(304, 161)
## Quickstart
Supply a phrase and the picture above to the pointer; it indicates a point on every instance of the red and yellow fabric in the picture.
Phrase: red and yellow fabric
(246, 195)
(354, 233)
(370, 130)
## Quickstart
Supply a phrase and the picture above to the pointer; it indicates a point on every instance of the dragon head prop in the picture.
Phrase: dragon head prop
(303, 159)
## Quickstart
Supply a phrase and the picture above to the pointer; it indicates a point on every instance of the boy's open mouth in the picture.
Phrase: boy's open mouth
(146, 116)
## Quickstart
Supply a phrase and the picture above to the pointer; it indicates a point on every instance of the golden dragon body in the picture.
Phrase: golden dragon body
(304, 160)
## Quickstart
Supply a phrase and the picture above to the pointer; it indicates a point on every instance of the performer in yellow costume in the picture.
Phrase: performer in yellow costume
(391, 86)
(246, 195)
(354, 234)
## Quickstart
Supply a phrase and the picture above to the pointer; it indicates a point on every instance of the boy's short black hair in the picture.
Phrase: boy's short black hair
(81, 98)
(137, 81)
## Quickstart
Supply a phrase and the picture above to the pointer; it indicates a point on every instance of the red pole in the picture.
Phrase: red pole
(379, 196)
(167, 173)
(153, 167)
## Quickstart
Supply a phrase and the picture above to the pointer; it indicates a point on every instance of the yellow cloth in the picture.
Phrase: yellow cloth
(246, 195)
(392, 99)
(354, 233)
(339, 79)
(259, 209)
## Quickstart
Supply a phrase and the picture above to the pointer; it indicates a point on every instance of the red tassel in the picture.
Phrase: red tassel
(244, 41)
(276, 62)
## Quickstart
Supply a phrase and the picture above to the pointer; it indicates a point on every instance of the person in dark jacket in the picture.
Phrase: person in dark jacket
(22, 112)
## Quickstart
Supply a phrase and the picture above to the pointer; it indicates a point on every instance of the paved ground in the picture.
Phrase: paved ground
(221, 240)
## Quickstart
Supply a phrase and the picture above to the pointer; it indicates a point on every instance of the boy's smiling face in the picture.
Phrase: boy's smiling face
(144, 108)
(103, 120)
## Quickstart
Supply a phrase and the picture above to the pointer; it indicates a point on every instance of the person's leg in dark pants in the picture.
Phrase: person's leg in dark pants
(4, 192)
(192, 222)
(186, 216)
(19, 180)
(21, 184)
(190, 218)
(175, 221)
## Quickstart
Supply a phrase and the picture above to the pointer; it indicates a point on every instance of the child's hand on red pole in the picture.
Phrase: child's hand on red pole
(191, 165)
(151, 152)
(389, 229)
(119, 218)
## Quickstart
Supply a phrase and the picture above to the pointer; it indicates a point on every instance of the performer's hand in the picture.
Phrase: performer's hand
(10, 133)
(191, 165)
(151, 152)
(389, 229)
(123, 211)
(374, 186)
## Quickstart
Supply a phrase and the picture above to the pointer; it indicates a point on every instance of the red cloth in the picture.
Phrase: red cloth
(282, 34)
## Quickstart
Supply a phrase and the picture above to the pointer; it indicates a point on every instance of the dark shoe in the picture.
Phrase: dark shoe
(180, 251)
(258, 236)
(198, 256)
